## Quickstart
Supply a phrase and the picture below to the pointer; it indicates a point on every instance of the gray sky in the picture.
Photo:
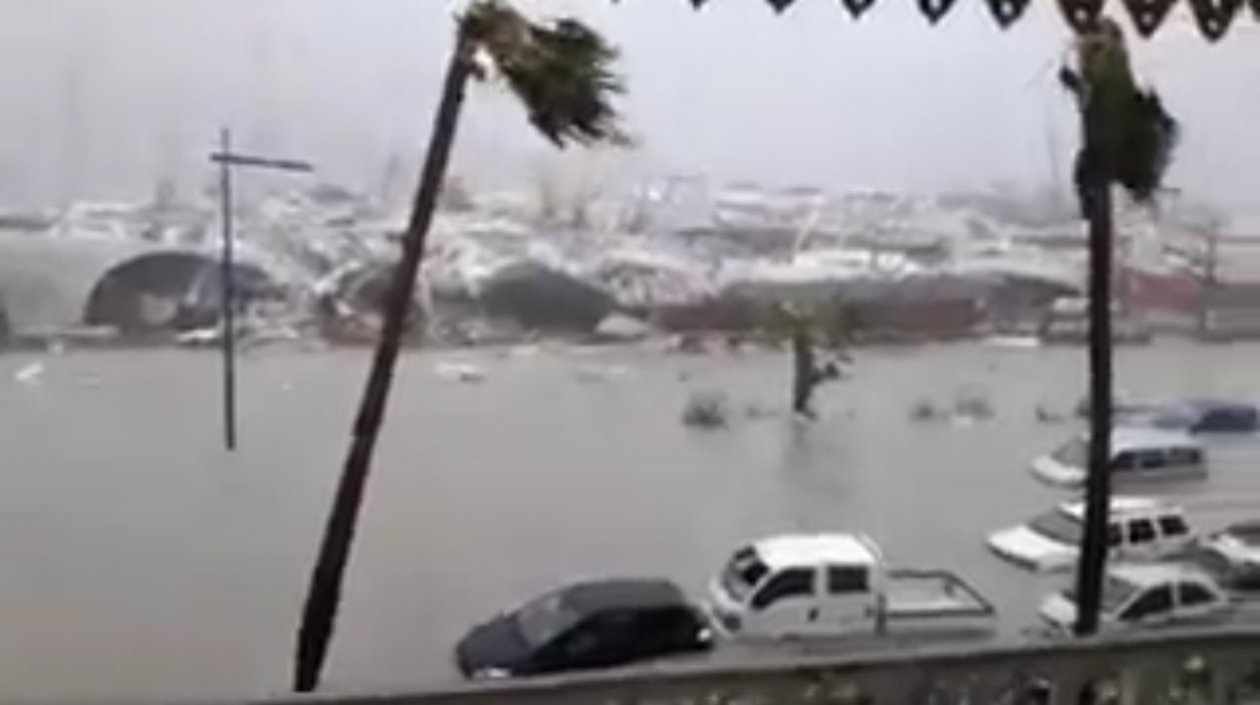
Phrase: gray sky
(114, 92)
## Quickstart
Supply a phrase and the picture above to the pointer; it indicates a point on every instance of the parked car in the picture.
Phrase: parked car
(1232, 555)
(1208, 416)
(1143, 596)
(1140, 528)
(828, 585)
(596, 624)
(1138, 454)
(1122, 407)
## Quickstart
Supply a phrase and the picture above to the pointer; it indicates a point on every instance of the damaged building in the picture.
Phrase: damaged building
(57, 286)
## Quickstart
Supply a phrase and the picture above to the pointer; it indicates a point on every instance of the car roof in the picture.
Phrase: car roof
(1128, 438)
(1246, 531)
(816, 549)
(1151, 574)
(1211, 403)
(622, 593)
(1123, 506)
(1138, 437)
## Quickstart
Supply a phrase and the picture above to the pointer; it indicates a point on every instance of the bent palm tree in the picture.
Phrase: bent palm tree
(1127, 138)
(561, 73)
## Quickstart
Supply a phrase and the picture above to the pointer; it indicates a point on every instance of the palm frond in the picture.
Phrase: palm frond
(561, 71)
(1129, 134)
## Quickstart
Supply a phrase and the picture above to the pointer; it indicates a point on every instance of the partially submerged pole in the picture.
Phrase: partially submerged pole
(226, 159)
(227, 320)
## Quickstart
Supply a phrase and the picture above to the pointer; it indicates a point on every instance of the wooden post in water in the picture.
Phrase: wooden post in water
(226, 159)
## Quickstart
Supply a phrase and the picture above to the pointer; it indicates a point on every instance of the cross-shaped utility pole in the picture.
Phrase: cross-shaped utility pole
(226, 159)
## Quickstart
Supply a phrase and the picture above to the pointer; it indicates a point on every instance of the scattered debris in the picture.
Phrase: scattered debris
(600, 374)
(706, 410)
(1045, 414)
(759, 411)
(925, 410)
(199, 337)
(972, 404)
(30, 374)
(617, 328)
(689, 343)
(1015, 342)
(459, 372)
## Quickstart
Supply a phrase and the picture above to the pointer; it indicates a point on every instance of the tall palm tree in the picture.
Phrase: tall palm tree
(561, 72)
(1126, 138)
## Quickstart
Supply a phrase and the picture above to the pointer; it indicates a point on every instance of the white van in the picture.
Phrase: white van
(1139, 528)
(1137, 454)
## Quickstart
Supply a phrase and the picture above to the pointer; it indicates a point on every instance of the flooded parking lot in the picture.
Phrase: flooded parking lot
(141, 560)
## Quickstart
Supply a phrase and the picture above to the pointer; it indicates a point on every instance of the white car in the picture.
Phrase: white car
(1137, 455)
(1139, 528)
(1138, 596)
(1236, 550)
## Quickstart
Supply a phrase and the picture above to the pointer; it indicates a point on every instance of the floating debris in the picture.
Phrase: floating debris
(706, 410)
(1014, 342)
(925, 410)
(688, 343)
(459, 372)
(760, 411)
(973, 405)
(600, 374)
(523, 350)
(1045, 414)
(30, 374)
(618, 328)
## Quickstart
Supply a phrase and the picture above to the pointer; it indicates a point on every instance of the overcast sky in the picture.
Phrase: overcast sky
(102, 96)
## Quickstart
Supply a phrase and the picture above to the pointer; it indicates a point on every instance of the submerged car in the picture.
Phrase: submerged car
(1143, 596)
(1208, 416)
(1139, 528)
(1233, 555)
(594, 624)
(1138, 454)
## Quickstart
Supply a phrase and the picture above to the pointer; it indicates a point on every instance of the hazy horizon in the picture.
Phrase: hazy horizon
(105, 96)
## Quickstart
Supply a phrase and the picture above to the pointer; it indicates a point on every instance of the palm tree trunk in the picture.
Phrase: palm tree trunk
(324, 594)
(1093, 557)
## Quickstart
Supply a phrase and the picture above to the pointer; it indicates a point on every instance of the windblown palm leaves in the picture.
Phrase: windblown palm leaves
(560, 71)
(1128, 135)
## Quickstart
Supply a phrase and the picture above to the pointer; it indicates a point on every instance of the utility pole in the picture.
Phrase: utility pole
(1207, 281)
(226, 159)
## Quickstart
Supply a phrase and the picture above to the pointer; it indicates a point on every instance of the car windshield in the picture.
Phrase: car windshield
(1073, 454)
(1115, 593)
(1248, 533)
(544, 619)
(1059, 526)
(743, 573)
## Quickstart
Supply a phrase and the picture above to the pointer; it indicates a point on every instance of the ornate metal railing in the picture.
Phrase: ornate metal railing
(1181, 666)
(1212, 17)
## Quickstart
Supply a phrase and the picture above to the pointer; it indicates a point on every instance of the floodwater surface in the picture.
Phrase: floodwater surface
(138, 559)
